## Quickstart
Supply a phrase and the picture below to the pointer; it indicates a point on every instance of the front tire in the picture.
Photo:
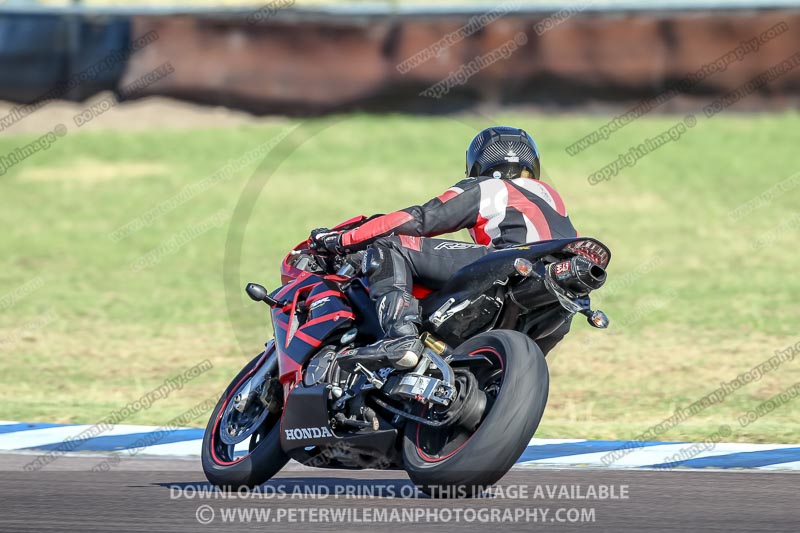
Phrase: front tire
(265, 457)
(472, 462)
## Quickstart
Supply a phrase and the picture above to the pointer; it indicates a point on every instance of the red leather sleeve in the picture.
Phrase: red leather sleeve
(453, 210)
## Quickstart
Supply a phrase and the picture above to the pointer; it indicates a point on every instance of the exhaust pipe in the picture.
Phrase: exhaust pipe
(578, 275)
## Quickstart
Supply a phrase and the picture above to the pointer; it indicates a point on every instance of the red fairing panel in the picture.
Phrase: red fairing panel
(295, 340)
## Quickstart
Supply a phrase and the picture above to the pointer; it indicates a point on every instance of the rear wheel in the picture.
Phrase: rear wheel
(242, 447)
(460, 459)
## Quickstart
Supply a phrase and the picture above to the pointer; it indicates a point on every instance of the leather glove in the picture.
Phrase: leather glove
(324, 239)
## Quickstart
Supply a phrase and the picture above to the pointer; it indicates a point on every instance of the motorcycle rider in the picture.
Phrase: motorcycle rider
(501, 201)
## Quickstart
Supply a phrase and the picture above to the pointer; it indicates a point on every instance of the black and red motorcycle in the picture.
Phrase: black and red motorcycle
(455, 423)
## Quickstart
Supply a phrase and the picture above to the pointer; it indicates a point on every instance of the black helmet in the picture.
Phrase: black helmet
(503, 152)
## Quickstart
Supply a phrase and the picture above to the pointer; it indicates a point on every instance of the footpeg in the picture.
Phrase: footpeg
(342, 420)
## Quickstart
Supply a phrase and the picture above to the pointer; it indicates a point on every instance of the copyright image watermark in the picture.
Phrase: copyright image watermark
(771, 74)
(285, 491)
(767, 406)
(177, 241)
(326, 456)
(470, 69)
(765, 198)
(561, 16)
(107, 103)
(715, 397)
(10, 299)
(182, 420)
(21, 153)
(223, 174)
(692, 450)
(155, 437)
(474, 25)
(639, 313)
(109, 61)
(16, 335)
(571, 503)
(205, 514)
(268, 10)
(171, 384)
(789, 225)
(720, 64)
(622, 282)
(638, 152)
(647, 307)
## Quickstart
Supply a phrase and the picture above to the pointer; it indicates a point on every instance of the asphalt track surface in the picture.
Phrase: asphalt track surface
(159, 494)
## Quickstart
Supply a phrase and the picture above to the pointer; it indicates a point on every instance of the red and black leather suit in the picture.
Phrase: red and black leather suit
(497, 212)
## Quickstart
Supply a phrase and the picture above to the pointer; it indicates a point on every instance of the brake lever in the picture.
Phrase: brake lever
(310, 251)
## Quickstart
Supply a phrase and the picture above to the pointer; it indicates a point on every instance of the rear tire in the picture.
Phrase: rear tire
(263, 461)
(503, 434)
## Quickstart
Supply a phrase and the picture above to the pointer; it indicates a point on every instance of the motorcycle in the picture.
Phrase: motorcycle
(456, 422)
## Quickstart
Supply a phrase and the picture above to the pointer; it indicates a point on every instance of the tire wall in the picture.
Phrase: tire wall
(299, 63)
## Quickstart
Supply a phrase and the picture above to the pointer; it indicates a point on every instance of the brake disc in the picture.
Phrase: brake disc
(237, 426)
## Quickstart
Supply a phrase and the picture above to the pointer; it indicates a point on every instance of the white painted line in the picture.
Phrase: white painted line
(185, 448)
(635, 458)
(193, 447)
(650, 455)
(541, 442)
(794, 465)
(42, 437)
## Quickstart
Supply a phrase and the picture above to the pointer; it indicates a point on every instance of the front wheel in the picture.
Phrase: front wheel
(243, 447)
(455, 461)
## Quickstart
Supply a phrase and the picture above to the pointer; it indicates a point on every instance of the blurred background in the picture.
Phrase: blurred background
(156, 156)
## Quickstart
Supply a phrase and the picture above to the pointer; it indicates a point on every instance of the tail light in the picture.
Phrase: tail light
(591, 250)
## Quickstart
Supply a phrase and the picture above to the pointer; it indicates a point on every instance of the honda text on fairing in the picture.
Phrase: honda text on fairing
(457, 421)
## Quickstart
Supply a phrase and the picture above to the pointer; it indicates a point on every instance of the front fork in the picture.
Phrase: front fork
(245, 397)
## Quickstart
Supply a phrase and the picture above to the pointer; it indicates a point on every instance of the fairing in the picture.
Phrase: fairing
(299, 334)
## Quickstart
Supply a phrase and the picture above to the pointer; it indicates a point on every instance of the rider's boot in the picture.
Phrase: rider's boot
(401, 348)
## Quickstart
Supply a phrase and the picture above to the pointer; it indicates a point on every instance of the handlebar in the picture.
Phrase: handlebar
(341, 264)
(301, 251)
